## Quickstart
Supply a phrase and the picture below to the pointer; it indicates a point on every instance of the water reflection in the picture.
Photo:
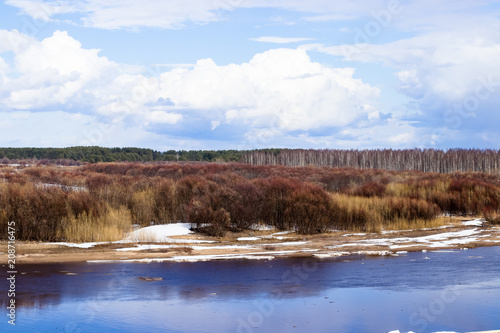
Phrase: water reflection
(340, 295)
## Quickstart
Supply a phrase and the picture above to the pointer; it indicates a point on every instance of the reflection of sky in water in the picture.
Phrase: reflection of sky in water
(289, 295)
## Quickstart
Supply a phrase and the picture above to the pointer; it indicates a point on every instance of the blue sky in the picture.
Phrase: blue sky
(246, 74)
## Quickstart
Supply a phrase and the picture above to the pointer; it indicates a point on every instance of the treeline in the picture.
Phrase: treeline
(426, 160)
(97, 202)
(63, 156)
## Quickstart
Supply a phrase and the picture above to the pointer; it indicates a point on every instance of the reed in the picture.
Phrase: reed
(112, 226)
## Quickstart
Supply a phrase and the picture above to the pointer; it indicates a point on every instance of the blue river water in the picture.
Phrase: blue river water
(420, 292)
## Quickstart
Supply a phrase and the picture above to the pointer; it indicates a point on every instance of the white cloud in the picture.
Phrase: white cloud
(55, 71)
(14, 41)
(280, 40)
(116, 14)
(279, 88)
(175, 14)
(162, 117)
(421, 15)
(329, 17)
(42, 10)
(451, 74)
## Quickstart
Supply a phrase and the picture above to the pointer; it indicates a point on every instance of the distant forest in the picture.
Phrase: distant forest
(426, 160)
(101, 154)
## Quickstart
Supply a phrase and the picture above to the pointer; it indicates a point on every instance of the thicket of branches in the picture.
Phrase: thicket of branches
(101, 201)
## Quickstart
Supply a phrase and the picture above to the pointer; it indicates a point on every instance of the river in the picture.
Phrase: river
(421, 292)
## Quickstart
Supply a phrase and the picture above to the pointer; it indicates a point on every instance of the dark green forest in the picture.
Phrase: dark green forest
(101, 154)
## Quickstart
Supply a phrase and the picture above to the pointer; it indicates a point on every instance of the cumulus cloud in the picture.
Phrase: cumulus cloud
(54, 71)
(279, 90)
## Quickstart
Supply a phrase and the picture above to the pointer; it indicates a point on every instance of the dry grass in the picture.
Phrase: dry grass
(111, 227)
(375, 214)
(232, 197)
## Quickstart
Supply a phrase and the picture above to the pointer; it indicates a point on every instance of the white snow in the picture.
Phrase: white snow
(276, 235)
(187, 241)
(374, 253)
(262, 227)
(254, 255)
(160, 233)
(330, 254)
(222, 247)
(79, 245)
(282, 233)
(438, 240)
(476, 222)
(248, 238)
(284, 244)
(358, 234)
(219, 257)
(191, 258)
(142, 247)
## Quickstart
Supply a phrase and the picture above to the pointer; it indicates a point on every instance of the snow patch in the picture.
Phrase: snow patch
(358, 234)
(78, 245)
(262, 227)
(476, 222)
(248, 238)
(143, 247)
(284, 244)
(276, 235)
(191, 258)
(160, 233)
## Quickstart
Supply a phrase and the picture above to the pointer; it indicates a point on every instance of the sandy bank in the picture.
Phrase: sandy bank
(164, 244)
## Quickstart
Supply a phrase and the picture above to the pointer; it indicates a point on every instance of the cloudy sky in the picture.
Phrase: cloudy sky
(245, 74)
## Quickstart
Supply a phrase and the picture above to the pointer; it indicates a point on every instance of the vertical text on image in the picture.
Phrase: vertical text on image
(11, 272)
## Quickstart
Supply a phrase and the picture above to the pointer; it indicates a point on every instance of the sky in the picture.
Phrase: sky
(249, 74)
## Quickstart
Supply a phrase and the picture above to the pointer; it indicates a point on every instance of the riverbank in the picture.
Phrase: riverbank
(177, 243)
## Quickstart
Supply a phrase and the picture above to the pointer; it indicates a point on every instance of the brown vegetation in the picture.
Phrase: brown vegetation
(98, 202)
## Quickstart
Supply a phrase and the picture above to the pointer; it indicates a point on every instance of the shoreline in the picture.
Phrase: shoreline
(263, 245)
